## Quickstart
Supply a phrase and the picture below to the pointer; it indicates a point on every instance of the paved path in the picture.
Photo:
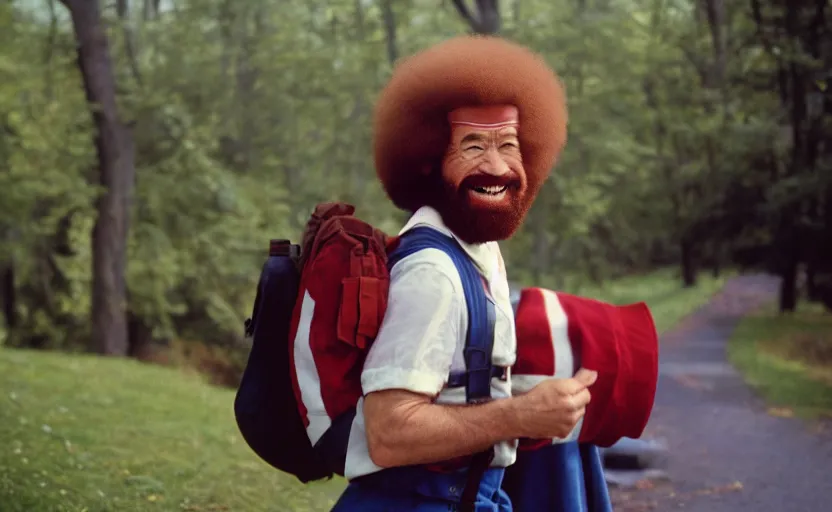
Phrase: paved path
(727, 453)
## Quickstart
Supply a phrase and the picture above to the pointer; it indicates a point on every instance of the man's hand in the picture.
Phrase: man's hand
(553, 407)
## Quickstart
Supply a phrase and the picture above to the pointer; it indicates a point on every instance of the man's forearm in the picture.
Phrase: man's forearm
(405, 429)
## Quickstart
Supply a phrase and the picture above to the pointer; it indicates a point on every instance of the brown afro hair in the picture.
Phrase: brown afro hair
(411, 129)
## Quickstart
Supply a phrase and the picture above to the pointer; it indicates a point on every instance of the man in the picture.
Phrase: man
(465, 134)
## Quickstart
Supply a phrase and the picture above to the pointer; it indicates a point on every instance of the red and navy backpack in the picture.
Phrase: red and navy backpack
(318, 309)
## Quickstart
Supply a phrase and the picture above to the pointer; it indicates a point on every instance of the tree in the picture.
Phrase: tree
(116, 170)
(697, 134)
(484, 18)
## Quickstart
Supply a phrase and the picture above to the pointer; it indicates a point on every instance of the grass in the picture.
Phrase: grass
(788, 359)
(81, 433)
(661, 290)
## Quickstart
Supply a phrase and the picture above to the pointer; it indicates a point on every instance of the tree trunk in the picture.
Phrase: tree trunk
(788, 249)
(123, 10)
(151, 9)
(141, 338)
(791, 239)
(688, 264)
(389, 18)
(716, 264)
(788, 286)
(7, 293)
(484, 19)
(114, 147)
(812, 290)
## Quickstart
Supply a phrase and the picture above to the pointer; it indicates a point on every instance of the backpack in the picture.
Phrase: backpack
(340, 275)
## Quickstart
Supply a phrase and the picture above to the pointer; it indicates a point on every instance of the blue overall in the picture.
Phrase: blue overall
(416, 488)
(565, 477)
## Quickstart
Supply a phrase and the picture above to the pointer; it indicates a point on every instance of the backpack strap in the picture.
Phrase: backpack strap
(479, 339)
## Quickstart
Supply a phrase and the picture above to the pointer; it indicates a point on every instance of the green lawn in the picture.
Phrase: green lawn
(81, 433)
(788, 359)
(668, 301)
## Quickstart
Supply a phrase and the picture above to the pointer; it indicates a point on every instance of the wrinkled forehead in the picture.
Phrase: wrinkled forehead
(484, 118)
(483, 123)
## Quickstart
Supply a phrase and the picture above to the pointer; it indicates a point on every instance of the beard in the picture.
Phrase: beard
(477, 222)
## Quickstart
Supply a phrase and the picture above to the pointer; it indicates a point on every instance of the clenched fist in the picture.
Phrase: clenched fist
(553, 407)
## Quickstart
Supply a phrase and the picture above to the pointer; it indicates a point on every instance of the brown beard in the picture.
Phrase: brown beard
(476, 224)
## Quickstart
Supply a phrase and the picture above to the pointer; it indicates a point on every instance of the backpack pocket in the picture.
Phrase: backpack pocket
(363, 301)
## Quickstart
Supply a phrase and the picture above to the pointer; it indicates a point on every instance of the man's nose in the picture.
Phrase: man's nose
(494, 164)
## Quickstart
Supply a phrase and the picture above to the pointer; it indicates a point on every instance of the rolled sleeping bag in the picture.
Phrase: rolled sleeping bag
(558, 333)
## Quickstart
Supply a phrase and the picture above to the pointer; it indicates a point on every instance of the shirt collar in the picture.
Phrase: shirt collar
(484, 256)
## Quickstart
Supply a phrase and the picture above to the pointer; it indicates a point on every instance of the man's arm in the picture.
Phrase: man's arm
(406, 428)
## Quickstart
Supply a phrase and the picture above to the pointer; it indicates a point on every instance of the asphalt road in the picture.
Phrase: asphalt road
(727, 453)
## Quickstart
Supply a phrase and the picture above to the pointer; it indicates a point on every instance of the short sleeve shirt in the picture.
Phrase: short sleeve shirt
(422, 336)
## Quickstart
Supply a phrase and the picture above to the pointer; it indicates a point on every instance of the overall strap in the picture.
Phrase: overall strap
(479, 339)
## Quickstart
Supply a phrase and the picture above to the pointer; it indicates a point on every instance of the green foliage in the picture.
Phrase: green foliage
(245, 114)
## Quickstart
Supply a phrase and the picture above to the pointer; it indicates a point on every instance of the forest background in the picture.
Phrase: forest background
(149, 149)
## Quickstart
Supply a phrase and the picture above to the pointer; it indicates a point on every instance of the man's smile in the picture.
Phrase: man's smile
(489, 194)
(488, 188)
(492, 190)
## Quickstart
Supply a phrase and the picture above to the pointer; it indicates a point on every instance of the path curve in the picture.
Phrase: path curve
(726, 453)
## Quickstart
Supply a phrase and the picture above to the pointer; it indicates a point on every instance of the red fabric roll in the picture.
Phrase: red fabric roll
(557, 333)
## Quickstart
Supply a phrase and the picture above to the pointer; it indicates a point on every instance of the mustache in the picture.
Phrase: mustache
(481, 179)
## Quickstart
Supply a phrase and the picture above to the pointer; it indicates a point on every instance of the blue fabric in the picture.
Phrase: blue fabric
(479, 341)
(417, 489)
(565, 477)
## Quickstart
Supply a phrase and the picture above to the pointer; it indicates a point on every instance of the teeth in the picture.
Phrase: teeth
(492, 190)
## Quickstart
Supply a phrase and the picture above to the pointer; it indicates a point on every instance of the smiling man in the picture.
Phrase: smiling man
(485, 185)
(465, 134)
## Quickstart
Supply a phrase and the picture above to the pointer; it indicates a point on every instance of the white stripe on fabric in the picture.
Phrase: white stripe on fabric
(358, 460)
(558, 322)
(573, 436)
(524, 383)
(309, 381)
(564, 356)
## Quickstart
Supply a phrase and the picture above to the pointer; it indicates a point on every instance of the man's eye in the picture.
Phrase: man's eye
(478, 148)
(509, 145)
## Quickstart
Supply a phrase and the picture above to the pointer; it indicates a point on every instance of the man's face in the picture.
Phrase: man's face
(484, 183)
(485, 165)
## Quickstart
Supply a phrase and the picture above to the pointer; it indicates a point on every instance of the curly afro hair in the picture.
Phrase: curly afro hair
(411, 128)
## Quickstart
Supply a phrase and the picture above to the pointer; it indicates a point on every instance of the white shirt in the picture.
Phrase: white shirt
(422, 336)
